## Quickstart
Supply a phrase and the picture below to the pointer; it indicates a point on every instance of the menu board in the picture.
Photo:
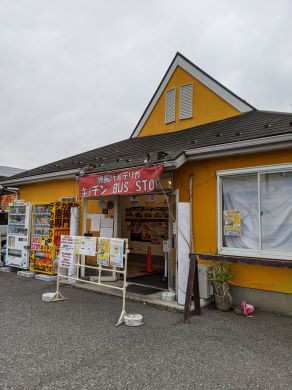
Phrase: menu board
(147, 224)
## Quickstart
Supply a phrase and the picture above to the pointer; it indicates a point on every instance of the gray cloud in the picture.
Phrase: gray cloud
(75, 75)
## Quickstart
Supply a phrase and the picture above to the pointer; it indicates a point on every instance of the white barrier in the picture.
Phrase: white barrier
(85, 246)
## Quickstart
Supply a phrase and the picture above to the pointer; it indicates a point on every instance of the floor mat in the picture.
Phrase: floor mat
(143, 290)
(149, 280)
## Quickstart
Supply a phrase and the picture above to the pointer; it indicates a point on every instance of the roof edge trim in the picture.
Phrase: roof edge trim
(254, 145)
(46, 176)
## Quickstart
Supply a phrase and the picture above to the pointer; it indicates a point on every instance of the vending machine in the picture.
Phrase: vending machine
(18, 234)
(49, 222)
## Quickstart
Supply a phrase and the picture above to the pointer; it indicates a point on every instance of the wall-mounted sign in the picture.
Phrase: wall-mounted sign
(128, 181)
(232, 223)
(5, 200)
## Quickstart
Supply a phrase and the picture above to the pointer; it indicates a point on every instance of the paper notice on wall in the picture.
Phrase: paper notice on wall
(103, 251)
(117, 252)
(106, 232)
(232, 223)
(95, 223)
(107, 223)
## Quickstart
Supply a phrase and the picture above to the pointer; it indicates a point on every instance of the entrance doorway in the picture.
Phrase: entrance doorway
(144, 221)
(147, 221)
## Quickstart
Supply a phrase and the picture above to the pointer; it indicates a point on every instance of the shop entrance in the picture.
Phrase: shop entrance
(144, 221)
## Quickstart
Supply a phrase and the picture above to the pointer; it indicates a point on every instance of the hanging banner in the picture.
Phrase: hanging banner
(127, 181)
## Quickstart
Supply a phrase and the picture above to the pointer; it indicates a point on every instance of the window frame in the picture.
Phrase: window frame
(260, 170)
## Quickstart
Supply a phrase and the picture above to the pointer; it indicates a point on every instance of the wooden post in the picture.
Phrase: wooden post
(192, 289)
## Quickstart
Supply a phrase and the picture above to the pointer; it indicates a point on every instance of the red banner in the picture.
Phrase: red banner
(127, 181)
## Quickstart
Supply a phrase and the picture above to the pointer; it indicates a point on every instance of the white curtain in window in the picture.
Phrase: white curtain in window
(276, 211)
(241, 193)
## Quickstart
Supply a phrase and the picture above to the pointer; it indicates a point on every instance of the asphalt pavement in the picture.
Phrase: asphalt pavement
(74, 344)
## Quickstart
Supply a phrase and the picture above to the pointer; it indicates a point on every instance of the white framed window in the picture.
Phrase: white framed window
(254, 212)
(170, 106)
(186, 101)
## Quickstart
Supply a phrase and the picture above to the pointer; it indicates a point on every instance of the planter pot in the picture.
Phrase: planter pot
(222, 302)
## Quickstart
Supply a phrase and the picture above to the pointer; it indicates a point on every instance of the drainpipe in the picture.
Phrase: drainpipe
(191, 211)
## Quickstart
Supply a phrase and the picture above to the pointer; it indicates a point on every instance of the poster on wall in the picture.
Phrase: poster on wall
(232, 223)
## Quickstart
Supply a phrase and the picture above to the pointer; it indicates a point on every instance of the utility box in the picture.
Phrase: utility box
(205, 286)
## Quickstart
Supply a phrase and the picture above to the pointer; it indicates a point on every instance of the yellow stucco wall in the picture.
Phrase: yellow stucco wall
(205, 214)
(48, 191)
(53, 190)
(207, 107)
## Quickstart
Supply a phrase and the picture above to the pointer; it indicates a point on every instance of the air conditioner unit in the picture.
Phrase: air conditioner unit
(205, 286)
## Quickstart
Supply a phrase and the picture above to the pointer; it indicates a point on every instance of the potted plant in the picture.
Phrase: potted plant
(220, 277)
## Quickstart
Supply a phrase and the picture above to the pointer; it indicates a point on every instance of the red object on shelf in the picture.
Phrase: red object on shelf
(149, 262)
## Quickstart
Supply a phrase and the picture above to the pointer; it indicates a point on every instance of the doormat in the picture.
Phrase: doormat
(143, 290)
(149, 280)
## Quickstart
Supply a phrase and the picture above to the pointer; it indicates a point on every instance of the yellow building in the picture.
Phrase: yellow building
(230, 163)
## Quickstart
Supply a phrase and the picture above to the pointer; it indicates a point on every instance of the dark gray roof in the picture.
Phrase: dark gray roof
(9, 171)
(132, 152)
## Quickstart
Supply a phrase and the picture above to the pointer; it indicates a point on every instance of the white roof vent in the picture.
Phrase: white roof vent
(186, 101)
(170, 106)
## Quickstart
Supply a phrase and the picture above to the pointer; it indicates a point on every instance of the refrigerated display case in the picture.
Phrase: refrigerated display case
(18, 235)
(49, 222)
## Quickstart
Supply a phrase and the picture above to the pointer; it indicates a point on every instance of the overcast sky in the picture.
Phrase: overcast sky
(77, 74)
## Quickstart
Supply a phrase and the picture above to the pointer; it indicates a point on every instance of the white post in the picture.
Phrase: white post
(84, 218)
(183, 250)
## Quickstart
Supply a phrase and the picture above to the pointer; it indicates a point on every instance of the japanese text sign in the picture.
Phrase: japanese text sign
(127, 181)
